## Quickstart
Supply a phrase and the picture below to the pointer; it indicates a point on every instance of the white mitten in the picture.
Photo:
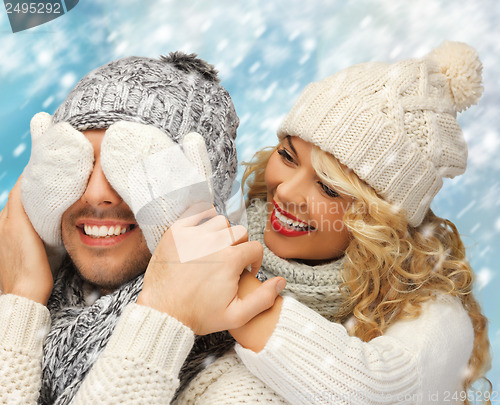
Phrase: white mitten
(55, 178)
(157, 178)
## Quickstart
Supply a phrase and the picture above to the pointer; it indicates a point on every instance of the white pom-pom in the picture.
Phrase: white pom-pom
(460, 64)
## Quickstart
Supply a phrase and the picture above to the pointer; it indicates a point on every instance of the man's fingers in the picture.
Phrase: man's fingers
(241, 311)
(214, 224)
(239, 234)
(195, 214)
(208, 242)
(223, 230)
(233, 235)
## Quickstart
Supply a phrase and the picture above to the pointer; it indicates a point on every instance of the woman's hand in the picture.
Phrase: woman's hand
(202, 292)
(24, 268)
(255, 334)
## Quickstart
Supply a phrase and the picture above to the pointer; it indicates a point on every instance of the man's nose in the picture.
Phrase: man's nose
(99, 192)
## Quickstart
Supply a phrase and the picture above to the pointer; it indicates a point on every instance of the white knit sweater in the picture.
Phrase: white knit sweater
(140, 364)
(420, 361)
(307, 360)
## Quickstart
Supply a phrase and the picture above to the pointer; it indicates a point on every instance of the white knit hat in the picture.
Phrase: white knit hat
(394, 125)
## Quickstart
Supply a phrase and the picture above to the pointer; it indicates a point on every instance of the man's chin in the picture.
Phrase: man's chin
(108, 277)
(107, 268)
(107, 285)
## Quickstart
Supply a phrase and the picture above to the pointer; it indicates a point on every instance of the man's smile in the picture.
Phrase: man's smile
(104, 233)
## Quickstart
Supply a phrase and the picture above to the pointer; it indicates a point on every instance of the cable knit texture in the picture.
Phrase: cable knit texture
(177, 94)
(395, 124)
(309, 360)
(141, 362)
(23, 326)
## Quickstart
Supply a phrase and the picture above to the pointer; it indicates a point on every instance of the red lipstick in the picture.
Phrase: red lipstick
(285, 230)
(285, 213)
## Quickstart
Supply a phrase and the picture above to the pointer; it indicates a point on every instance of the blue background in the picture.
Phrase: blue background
(266, 52)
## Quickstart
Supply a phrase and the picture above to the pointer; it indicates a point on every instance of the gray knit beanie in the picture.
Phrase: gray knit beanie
(177, 93)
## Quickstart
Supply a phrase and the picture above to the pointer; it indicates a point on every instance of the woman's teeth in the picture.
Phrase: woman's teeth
(104, 231)
(300, 226)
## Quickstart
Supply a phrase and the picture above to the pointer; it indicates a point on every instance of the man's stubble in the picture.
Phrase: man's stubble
(107, 271)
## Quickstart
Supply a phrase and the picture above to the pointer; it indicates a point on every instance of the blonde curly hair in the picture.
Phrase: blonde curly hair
(391, 268)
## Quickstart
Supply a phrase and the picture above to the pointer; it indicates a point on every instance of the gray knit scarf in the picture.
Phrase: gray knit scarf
(81, 329)
(314, 286)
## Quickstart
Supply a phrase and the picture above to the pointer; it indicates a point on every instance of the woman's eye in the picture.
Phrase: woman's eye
(328, 191)
(285, 155)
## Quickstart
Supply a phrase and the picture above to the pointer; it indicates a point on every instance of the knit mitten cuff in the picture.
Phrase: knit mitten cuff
(24, 323)
(155, 337)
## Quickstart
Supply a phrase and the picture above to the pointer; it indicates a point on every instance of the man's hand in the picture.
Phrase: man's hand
(202, 293)
(24, 268)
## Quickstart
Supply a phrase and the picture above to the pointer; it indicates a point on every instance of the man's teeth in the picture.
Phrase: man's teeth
(105, 231)
(290, 222)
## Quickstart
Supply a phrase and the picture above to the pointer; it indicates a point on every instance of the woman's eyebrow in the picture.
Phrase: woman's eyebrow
(289, 139)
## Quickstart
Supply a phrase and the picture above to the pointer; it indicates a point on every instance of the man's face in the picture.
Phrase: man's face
(100, 233)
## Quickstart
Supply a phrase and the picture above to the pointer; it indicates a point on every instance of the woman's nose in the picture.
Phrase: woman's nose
(292, 190)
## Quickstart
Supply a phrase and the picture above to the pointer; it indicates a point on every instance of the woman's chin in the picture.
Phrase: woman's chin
(308, 252)
(281, 246)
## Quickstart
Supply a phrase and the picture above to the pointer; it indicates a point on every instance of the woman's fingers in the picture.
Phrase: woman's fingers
(241, 311)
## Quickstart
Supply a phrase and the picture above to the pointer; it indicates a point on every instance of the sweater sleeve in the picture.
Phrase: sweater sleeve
(419, 361)
(24, 325)
(141, 362)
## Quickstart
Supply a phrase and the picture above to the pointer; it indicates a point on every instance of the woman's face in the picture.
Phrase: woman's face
(304, 215)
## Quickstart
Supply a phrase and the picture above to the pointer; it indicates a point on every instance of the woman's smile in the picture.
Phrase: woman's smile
(287, 224)
(304, 214)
